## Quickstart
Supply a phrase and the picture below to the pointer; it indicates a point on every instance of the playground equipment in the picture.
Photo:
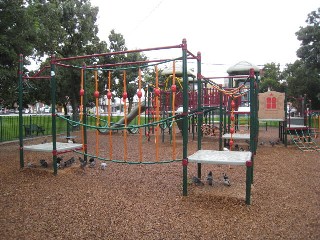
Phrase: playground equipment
(273, 107)
(194, 103)
(301, 137)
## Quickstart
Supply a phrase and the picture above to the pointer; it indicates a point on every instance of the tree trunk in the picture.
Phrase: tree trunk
(75, 112)
(65, 109)
(130, 105)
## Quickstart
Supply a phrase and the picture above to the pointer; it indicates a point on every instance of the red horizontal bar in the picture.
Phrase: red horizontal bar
(70, 150)
(41, 77)
(235, 76)
(193, 56)
(116, 53)
(126, 63)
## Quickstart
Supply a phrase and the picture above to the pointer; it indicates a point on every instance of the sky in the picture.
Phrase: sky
(225, 32)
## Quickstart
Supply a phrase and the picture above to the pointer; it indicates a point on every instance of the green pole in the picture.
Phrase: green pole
(200, 110)
(253, 116)
(1, 127)
(309, 115)
(230, 83)
(248, 181)
(221, 120)
(185, 118)
(20, 112)
(285, 117)
(256, 120)
(257, 110)
(85, 140)
(68, 125)
(53, 109)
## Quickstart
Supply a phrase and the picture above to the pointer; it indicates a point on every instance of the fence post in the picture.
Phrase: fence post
(68, 126)
(20, 112)
(1, 137)
(54, 116)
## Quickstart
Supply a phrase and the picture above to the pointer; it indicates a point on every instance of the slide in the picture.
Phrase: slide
(134, 113)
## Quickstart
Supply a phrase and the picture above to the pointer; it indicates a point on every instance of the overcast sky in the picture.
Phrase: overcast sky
(225, 32)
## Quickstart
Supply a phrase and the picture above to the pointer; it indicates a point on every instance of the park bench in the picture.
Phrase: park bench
(30, 129)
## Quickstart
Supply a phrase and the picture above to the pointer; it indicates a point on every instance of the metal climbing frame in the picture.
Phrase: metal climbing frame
(200, 158)
(302, 138)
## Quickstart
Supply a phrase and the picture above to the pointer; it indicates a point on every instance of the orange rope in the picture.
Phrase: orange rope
(229, 92)
(125, 115)
(139, 117)
(157, 91)
(173, 112)
(232, 127)
(81, 108)
(109, 114)
(97, 111)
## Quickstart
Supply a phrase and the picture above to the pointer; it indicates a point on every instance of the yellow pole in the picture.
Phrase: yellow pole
(173, 110)
(157, 94)
(81, 108)
(96, 94)
(109, 96)
(139, 115)
(125, 115)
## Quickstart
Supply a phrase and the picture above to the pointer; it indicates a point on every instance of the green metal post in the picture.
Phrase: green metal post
(68, 125)
(253, 116)
(309, 115)
(256, 120)
(185, 118)
(54, 117)
(200, 110)
(85, 140)
(221, 119)
(230, 83)
(248, 181)
(20, 112)
(285, 117)
(1, 127)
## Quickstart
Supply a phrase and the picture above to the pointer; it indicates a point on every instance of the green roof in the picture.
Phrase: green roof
(242, 67)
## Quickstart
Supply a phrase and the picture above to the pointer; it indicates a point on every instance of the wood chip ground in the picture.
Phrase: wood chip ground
(145, 201)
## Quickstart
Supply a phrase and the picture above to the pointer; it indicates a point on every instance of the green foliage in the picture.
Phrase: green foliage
(271, 78)
(309, 52)
(17, 36)
(303, 76)
(117, 44)
(66, 28)
(303, 80)
(40, 28)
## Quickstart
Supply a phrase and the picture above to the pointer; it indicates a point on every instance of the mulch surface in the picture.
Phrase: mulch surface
(131, 201)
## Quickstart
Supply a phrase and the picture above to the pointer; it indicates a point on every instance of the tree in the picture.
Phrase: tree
(271, 78)
(66, 28)
(302, 81)
(117, 44)
(303, 76)
(17, 36)
(309, 52)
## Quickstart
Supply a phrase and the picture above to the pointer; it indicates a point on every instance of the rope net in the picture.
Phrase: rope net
(162, 116)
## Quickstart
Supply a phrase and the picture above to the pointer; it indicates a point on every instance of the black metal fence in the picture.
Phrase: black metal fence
(39, 125)
(33, 125)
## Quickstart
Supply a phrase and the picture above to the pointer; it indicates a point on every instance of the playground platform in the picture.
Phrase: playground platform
(48, 147)
(220, 157)
(227, 158)
(237, 136)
